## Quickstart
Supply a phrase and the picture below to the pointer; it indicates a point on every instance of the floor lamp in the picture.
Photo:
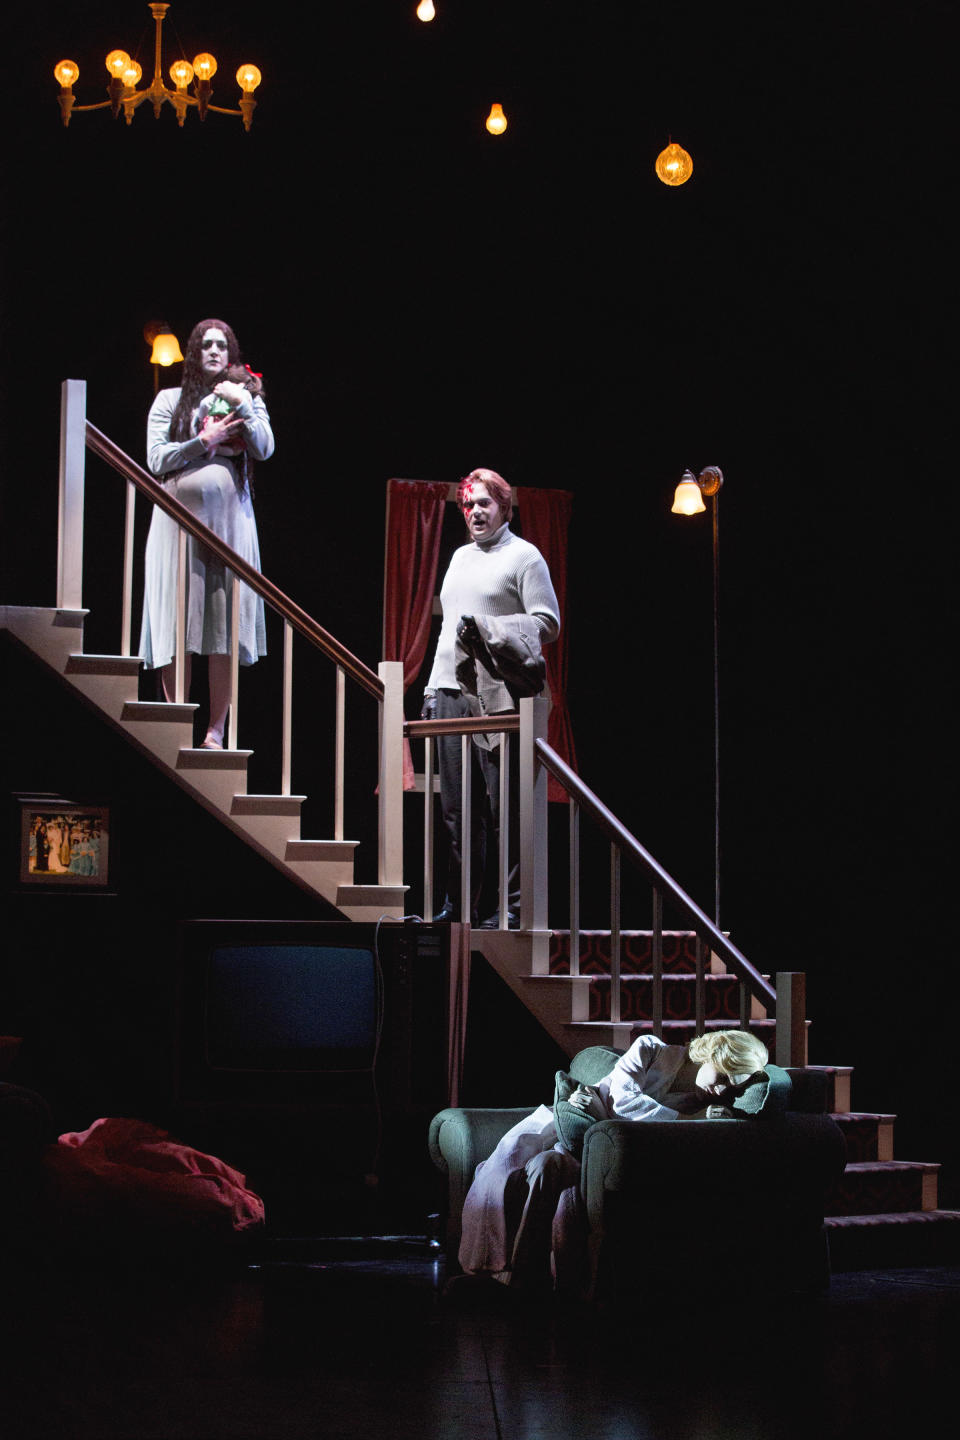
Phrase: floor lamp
(688, 500)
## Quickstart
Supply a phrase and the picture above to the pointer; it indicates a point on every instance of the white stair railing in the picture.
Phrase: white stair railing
(77, 435)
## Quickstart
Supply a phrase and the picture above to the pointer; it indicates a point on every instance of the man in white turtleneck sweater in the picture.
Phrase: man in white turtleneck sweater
(497, 574)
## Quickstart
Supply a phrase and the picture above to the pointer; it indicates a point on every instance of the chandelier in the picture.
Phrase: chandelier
(125, 75)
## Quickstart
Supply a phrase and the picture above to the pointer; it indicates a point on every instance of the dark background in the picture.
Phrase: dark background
(423, 298)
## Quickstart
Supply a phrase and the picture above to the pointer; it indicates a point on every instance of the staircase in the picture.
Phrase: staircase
(217, 779)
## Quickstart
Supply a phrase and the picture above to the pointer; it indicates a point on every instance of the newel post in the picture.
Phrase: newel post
(73, 451)
(533, 816)
(791, 1041)
(390, 829)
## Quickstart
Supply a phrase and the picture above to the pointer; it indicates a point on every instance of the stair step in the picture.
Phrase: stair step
(835, 1083)
(267, 804)
(636, 951)
(372, 902)
(158, 712)
(591, 998)
(197, 758)
(83, 664)
(108, 680)
(868, 1137)
(675, 1032)
(894, 1239)
(878, 1187)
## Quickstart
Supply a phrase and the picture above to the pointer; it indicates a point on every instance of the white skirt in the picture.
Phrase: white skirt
(208, 488)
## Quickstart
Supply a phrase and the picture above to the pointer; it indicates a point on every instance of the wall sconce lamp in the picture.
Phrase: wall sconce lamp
(165, 348)
(688, 500)
(125, 74)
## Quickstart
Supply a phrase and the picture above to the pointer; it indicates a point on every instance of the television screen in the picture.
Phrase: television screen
(312, 1013)
(291, 1007)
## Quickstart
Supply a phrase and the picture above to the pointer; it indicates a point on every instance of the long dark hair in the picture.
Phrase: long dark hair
(195, 384)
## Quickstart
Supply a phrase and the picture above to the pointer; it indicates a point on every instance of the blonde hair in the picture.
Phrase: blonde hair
(736, 1053)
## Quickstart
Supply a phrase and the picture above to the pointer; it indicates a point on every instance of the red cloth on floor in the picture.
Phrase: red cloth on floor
(127, 1173)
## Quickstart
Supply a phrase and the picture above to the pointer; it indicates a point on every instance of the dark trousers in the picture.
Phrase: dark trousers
(485, 813)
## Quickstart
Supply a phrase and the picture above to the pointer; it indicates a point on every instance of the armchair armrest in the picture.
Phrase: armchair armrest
(459, 1139)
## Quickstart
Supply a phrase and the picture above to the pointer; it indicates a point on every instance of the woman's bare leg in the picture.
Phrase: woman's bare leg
(168, 679)
(218, 672)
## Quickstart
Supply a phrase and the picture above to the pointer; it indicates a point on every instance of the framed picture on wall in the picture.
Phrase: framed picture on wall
(63, 844)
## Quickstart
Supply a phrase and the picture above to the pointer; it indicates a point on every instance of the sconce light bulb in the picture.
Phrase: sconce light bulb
(426, 11)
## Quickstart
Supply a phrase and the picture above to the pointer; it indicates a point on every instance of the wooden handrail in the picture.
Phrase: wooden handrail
(620, 835)
(101, 445)
(507, 723)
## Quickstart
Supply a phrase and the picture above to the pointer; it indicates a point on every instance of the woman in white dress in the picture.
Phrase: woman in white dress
(205, 462)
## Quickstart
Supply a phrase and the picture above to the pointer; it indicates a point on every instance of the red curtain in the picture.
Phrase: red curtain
(414, 522)
(545, 521)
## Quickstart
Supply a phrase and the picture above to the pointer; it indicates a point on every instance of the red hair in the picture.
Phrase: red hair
(497, 488)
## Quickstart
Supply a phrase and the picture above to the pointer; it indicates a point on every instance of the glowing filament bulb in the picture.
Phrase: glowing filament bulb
(496, 121)
(66, 72)
(248, 78)
(426, 11)
(674, 166)
(131, 74)
(181, 73)
(116, 62)
(205, 67)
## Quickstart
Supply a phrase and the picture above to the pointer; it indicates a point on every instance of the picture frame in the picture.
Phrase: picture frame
(64, 844)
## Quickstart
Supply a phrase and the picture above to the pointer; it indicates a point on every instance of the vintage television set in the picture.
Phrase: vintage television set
(275, 1011)
(312, 1056)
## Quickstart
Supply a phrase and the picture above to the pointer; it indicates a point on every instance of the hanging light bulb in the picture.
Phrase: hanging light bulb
(674, 166)
(181, 73)
(688, 498)
(132, 74)
(496, 121)
(426, 11)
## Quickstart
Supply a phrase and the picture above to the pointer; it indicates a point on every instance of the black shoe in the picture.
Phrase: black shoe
(450, 914)
(493, 921)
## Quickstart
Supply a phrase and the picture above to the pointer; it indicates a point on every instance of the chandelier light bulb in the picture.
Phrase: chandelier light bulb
(132, 74)
(248, 78)
(496, 121)
(66, 72)
(205, 67)
(426, 11)
(116, 62)
(674, 166)
(181, 73)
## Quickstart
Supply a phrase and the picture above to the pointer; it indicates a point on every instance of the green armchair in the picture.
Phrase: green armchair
(675, 1203)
